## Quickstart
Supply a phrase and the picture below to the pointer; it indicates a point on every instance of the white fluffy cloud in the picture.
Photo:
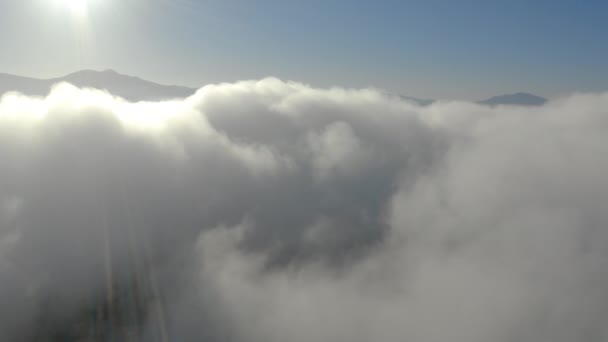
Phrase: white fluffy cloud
(273, 211)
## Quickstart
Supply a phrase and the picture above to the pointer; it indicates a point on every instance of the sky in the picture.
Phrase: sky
(430, 49)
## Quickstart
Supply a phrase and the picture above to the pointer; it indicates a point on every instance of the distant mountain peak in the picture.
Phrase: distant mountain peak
(416, 100)
(86, 72)
(129, 87)
(515, 99)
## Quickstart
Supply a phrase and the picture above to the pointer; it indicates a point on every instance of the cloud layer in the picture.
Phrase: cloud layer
(273, 211)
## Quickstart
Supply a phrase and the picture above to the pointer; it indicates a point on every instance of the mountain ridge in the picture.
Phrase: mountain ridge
(128, 87)
(520, 98)
(134, 88)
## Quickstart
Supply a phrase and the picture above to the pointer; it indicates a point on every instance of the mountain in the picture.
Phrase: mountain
(137, 89)
(128, 87)
(420, 102)
(517, 99)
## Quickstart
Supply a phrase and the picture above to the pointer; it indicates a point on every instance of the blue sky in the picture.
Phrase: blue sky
(435, 49)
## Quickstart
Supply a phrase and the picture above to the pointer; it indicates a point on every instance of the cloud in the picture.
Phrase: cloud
(273, 211)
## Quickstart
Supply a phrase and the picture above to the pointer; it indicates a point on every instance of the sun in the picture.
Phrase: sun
(77, 7)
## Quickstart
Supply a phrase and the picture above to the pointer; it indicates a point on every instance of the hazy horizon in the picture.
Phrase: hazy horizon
(98, 78)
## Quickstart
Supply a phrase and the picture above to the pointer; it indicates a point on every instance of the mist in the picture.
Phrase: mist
(274, 211)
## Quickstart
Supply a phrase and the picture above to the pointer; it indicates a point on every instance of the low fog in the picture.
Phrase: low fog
(272, 211)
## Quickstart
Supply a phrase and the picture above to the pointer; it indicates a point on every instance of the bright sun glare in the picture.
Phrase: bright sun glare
(78, 7)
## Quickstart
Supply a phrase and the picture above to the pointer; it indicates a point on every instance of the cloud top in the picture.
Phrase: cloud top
(273, 211)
